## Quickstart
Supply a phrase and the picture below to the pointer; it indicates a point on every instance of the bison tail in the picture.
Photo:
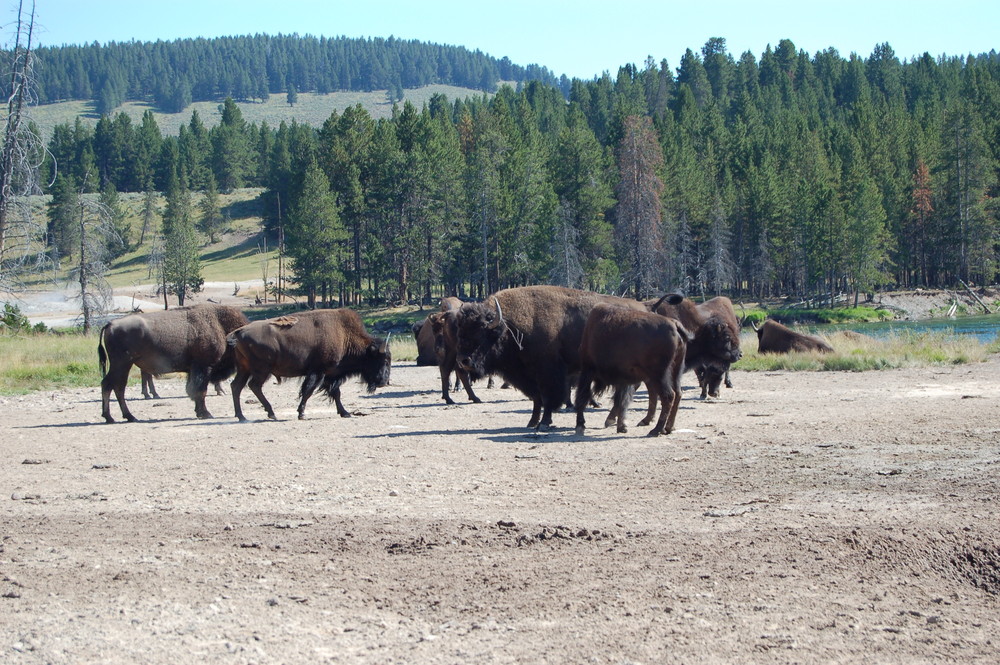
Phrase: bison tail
(102, 355)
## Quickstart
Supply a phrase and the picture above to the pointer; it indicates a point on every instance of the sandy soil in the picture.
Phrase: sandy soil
(799, 518)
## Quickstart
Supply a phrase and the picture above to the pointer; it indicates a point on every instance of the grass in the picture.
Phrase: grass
(312, 109)
(828, 315)
(852, 353)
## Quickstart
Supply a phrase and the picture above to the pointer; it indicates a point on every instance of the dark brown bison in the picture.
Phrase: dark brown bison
(185, 339)
(716, 331)
(531, 336)
(325, 347)
(445, 347)
(772, 337)
(622, 347)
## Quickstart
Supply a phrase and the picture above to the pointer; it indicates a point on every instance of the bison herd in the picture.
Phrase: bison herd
(542, 340)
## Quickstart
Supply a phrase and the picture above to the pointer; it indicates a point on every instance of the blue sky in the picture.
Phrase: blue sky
(578, 38)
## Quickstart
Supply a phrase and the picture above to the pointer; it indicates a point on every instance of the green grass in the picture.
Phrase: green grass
(47, 361)
(831, 315)
(312, 109)
(856, 354)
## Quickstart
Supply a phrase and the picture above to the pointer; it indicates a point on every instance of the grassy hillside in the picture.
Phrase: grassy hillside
(312, 109)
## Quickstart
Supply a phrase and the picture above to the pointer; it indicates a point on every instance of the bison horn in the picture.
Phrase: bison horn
(385, 345)
(499, 320)
(754, 325)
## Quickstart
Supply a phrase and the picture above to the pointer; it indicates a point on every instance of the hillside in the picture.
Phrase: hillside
(311, 109)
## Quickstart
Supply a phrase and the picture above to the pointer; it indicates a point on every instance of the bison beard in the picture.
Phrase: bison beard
(185, 339)
(325, 347)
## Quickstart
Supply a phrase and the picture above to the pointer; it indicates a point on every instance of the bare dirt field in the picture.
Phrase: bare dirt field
(800, 518)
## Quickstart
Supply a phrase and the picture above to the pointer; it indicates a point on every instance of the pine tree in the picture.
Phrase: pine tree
(314, 235)
(181, 260)
(210, 219)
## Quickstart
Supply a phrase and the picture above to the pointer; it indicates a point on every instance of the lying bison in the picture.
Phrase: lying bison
(326, 347)
(716, 332)
(622, 347)
(772, 337)
(185, 339)
(531, 336)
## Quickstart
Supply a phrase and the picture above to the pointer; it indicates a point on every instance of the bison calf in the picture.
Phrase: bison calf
(325, 347)
(622, 347)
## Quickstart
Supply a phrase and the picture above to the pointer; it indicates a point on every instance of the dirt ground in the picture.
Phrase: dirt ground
(799, 518)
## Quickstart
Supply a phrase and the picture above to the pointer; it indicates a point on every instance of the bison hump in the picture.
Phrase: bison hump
(284, 321)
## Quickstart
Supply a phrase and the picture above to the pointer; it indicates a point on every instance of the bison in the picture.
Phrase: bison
(325, 347)
(773, 337)
(623, 346)
(716, 332)
(184, 339)
(424, 335)
(445, 347)
(531, 336)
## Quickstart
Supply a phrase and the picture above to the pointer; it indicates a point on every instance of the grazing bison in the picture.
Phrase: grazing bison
(445, 347)
(622, 347)
(772, 337)
(325, 346)
(185, 339)
(716, 332)
(531, 336)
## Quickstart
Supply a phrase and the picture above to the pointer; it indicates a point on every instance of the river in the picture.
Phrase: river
(984, 328)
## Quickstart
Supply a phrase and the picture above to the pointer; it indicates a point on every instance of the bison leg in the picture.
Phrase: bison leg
(670, 397)
(622, 399)
(309, 385)
(148, 387)
(729, 383)
(236, 387)
(257, 385)
(536, 412)
(218, 388)
(341, 411)
(650, 409)
(197, 389)
(464, 376)
(583, 396)
(445, 383)
(115, 379)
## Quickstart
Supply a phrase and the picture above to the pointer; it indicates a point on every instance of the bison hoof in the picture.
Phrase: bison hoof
(654, 432)
(448, 400)
(242, 419)
(579, 430)
(108, 420)
(302, 416)
(132, 419)
(271, 416)
(205, 416)
(622, 429)
(476, 400)
(644, 422)
(609, 421)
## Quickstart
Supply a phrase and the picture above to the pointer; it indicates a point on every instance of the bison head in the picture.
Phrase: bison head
(377, 364)
(478, 336)
(721, 341)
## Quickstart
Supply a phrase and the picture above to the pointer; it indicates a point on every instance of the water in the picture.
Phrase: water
(984, 328)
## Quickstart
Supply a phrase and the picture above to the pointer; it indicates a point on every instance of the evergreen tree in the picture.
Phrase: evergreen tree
(314, 235)
(181, 259)
(231, 148)
(114, 224)
(210, 219)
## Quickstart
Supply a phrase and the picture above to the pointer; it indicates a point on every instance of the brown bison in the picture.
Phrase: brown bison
(445, 347)
(325, 346)
(716, 331)
(772, 337)
(622, 347)
(184, 339)
(426, 343)
(531, 336)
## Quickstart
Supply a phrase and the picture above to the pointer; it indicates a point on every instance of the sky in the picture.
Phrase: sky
(579, 38)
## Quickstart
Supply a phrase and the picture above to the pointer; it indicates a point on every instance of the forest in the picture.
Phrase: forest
(787, 174)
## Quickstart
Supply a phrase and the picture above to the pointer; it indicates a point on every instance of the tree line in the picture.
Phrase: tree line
(791, 174)
(172, 74)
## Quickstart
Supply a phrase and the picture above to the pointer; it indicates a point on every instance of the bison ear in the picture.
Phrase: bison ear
(675, 299)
